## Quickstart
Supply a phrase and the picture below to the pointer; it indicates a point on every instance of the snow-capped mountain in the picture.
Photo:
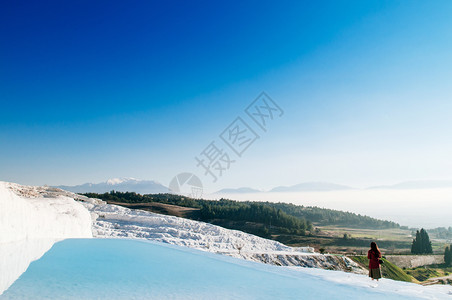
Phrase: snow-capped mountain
(120, 185)
(114, 181)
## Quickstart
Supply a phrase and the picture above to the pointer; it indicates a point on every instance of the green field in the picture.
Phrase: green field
(425, 274)
(393, 234)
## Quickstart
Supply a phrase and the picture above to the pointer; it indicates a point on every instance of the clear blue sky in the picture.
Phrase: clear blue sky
(94, 90)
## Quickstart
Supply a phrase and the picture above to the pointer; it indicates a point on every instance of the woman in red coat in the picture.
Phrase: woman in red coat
(374, 256)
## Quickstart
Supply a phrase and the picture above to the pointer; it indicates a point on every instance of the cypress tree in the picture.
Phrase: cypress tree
(421, 243)
(426, 242)
(448, 256)
(415, 245)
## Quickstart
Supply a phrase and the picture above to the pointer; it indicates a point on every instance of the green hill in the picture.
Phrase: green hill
(388, 269)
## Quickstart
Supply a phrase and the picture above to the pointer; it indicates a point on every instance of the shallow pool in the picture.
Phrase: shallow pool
(131, 269)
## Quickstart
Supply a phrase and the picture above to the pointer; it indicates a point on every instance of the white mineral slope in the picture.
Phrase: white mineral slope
(112, 221)
(40, 213)
(121, 222)
(31, 220)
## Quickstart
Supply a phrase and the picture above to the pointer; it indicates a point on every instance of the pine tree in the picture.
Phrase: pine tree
(448, 256)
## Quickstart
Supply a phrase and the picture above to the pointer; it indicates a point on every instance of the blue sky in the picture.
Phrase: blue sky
(91, 91)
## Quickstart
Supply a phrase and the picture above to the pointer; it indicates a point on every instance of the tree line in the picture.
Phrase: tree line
(326, 216)
(253, 212)
(441, 233)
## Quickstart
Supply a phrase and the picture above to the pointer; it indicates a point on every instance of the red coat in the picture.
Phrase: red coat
(373, 260)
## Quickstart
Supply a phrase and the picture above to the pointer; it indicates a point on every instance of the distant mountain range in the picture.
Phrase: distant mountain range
(419, 184)
(327, 186)
(120, 185)
(238, 191)
(311, 186)
(302, 187)
(153, 187)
